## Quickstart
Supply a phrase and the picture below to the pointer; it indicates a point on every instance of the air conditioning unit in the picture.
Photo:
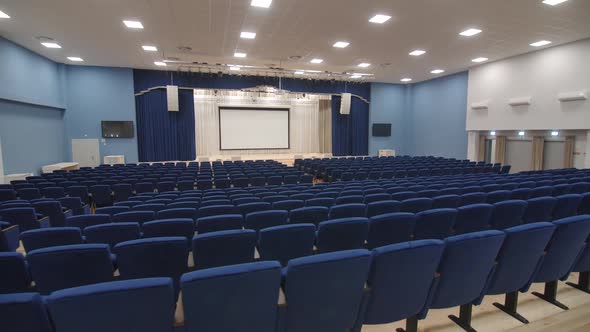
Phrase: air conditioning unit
(172, 98)
(482, 105)
(345, 103)
(520, 101)
(572, 96)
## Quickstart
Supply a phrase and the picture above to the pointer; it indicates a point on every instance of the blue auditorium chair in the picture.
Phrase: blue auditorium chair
(53, 210)
(291, 179)
(9, 236)
(580, 188)
(327, 194)
(112, 233)
(165, 186)
(498, 196)
(122, 191)
(286, 242)
(521, 193)
(62, 267)
(29, 193)
(310, 214)
(216, 200)
(184, 227)
(80, 192)
(342, 234)
(220, 222)
(112, 210)
(390, 228)
(473, 198)
(15, 277)
(388, 283)
(566, 206)
(376, 198)
(75, 205)
(263, 219)
(223, 248)
(186, 185)
(435, 223)
(53, 192)
(245, 200)
(473, 218)
(101, 195)
(539, 209)
(24, 312)
(7, 195)
(145, 305)
(24, 217)
(347, 211)
(320, 201)
(144, 187)
(352, 199)
(583, 268)
(314, 283)
(149, 207)
(50, 237)
(84, 220)
(403, 195)
(185, 204)
(274, 198)
(561, 189)
(382, 207)
(134, 216)
(243, 297)
(508, 214)
(215, 210)
(128, 204)
(306, 179)
(415, 205)
(446, 201)
(177, 213)
(288, 205)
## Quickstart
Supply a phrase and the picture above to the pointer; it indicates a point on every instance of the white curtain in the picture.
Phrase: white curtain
(304, 117)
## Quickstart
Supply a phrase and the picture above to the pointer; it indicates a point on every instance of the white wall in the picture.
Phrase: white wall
(541, 75)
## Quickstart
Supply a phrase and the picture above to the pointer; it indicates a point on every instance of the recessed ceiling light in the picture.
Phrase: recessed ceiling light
(555, 133)
(261, 3)
(521, 133)
(341, 44)
(313, 71)
(75, 58)
(133, 24)
(3, 15)
(540, 43)
(317, 60)
(493, 133)
(470, 32)
(299, 72)
(248, 35)
(355, 76)
(364, 65)
(149, 48)
(406, 79)
(480, 59)
(50, 45)
(379, 18)
(417, 52)
(240, 55)
(234, 68)
(553, 2)
(160, 63)
(437, 71)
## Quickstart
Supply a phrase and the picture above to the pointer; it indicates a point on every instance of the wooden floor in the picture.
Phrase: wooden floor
(543, 317)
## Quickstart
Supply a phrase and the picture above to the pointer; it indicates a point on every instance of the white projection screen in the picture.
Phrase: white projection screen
(249, 128)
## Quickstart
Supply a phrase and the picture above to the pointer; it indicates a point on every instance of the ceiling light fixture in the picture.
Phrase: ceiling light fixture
(521, 133)
(51, 45)
(553, 2)
(3, 15)
(317, 60)
(133, 24)
(341, 44)
(234, 68)
(160, 63)
(75, 58)
(480, 59)
(417, 52)
(356, 76)
(379, 18)
(299, 72)
(406, 79)
(555, 133)
(493, 133)
(437, 71)
(240, 55)
(261, 3)
(540, 43)
(149, 48)
(247, 35)
(364, 65)
(470, 32)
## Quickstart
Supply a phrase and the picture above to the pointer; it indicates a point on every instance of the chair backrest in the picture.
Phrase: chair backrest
(473, 218)
(177, 213)
(508, 214)
(286, 242)
(112, 210)
(9, 236)
(434, 224)
(498, 196)
(309, 214)
(390, 228)
(232, 298)
(152, 207)
(184, 227)
(215, 210)
(223, 248)
(263, 219)
(85, 220)
(50, 237)
(539, 209)
(219, 223)
(288, 205)
(347, 211)
(382, 207)
(415, 205)
(24, 217)
(334, 280)
(320, 201)
(389, 283)
(342, 234)
(134, 216)
(24, 312)
(446, 201)
(148, 306)
(377, 197)
(15, 275)
(566, 206)
(473, 198)
(62, 267)
(112, 234)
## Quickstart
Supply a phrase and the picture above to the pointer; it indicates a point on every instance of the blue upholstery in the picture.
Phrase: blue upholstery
(323, 292)
(263, 219)
(342, 234)
(349, 199)
(112, 234)
(7, 195)
(320, 201)
(434, 224)
(310, 214)
(152, 207)
(347, 211)
(145, 305)
(473, 218)
(62, 267)
(473, 198)
(283, 243)
(24, 217)
(377, 198)
(415, 205)
(288, 205)
(74, 204)
(24, 312)
(542, 191)
(215, 210)
(219, 223)
(382, 207)
(29, 193)
(53, 210)
(254, 207)
(403, 195)
(177, 213)
(122, 191)
(183, 227)
(134, 216)
(566, 206)
(112, 210)
(521, 193)
(14, 277)
(9, 236)
(85, 220)
(508, 214)
(539, 209)
(584, 207)
(498, 196)
(390, 228)
(232, 298)
(446, 201)
(101, 195)
(50, 237)
(223, 248)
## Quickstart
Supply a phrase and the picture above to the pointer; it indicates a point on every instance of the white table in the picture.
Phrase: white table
(386, 153)
(114, 159)
(60, 166)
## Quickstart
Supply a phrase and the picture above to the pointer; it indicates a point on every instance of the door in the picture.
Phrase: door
(85, 151)
(519, 154)
(553, 154)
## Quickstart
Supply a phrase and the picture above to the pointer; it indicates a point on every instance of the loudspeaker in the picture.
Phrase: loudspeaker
(345, 103)
(172, 97)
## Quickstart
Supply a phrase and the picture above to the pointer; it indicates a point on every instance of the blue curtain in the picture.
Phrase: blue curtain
(350, 133)
(163, 135)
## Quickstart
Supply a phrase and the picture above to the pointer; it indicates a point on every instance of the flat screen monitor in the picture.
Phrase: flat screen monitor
(381, 129)
(117, 129)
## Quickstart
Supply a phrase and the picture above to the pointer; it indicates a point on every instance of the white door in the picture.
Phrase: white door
(85, 151)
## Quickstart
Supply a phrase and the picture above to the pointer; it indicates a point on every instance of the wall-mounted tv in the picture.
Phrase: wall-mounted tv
(117, 129)
(381, 129)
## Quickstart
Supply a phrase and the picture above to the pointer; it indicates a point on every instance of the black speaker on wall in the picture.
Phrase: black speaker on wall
(381, 129)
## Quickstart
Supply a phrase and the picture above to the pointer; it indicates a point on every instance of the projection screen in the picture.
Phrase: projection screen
(253, 128)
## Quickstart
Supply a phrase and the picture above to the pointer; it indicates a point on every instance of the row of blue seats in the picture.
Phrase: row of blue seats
(338, 291)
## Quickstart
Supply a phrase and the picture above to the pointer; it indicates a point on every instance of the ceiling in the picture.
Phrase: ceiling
(93, 30)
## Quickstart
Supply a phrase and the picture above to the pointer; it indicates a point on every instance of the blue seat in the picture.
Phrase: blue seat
(53, 210)
(134, 216)
(498, 196)
(53, 192)
(112, 233)
(382, 207)
(388, 283)
(288, 205)
(29, 193)
(521, 194)
(9, 236)
(152, 207)
(561, 189)
(219, 223)
(223, 248)
(349, 199)
(184, 227)
(473, 218)
(446, 201)
(310, 214)
(112, 210)
(148, 306)
(583, 268)
(508, 214)
(390, 228)
(347, 211)
(320, 201)
(50, 237)
(75, 205)
(122, 191)
(24, 312)
(342, 234)
(580, 188)
(232, 298)
(286, 242)
(312, 284)
(69, 266)
(263, 219)
(539, 209)
(403, 195)
(473, 198)
(541, 191)
(215, 201)
(7, 195)
(466, 265)
(144, 187)
(165, 186)
(80, 192)
(566, 206)
(376, 198)
(85, 220)
(177, 213)
(216, 210)
(24, 217)
(101, 195)
(245, 200)
(415, 205)
(15, 276)
(434, 224)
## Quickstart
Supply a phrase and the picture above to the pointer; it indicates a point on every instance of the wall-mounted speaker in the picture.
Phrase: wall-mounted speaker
(572, 96)
(520, 101)
(482, 105)
(172, 98)
(345, 103)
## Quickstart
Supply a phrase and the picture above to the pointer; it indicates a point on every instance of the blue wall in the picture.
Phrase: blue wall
(428, 118)
(95, 94)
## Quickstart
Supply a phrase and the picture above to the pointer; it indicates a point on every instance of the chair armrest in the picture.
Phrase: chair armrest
(12, 234)
(179, 312)
(44, 222)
